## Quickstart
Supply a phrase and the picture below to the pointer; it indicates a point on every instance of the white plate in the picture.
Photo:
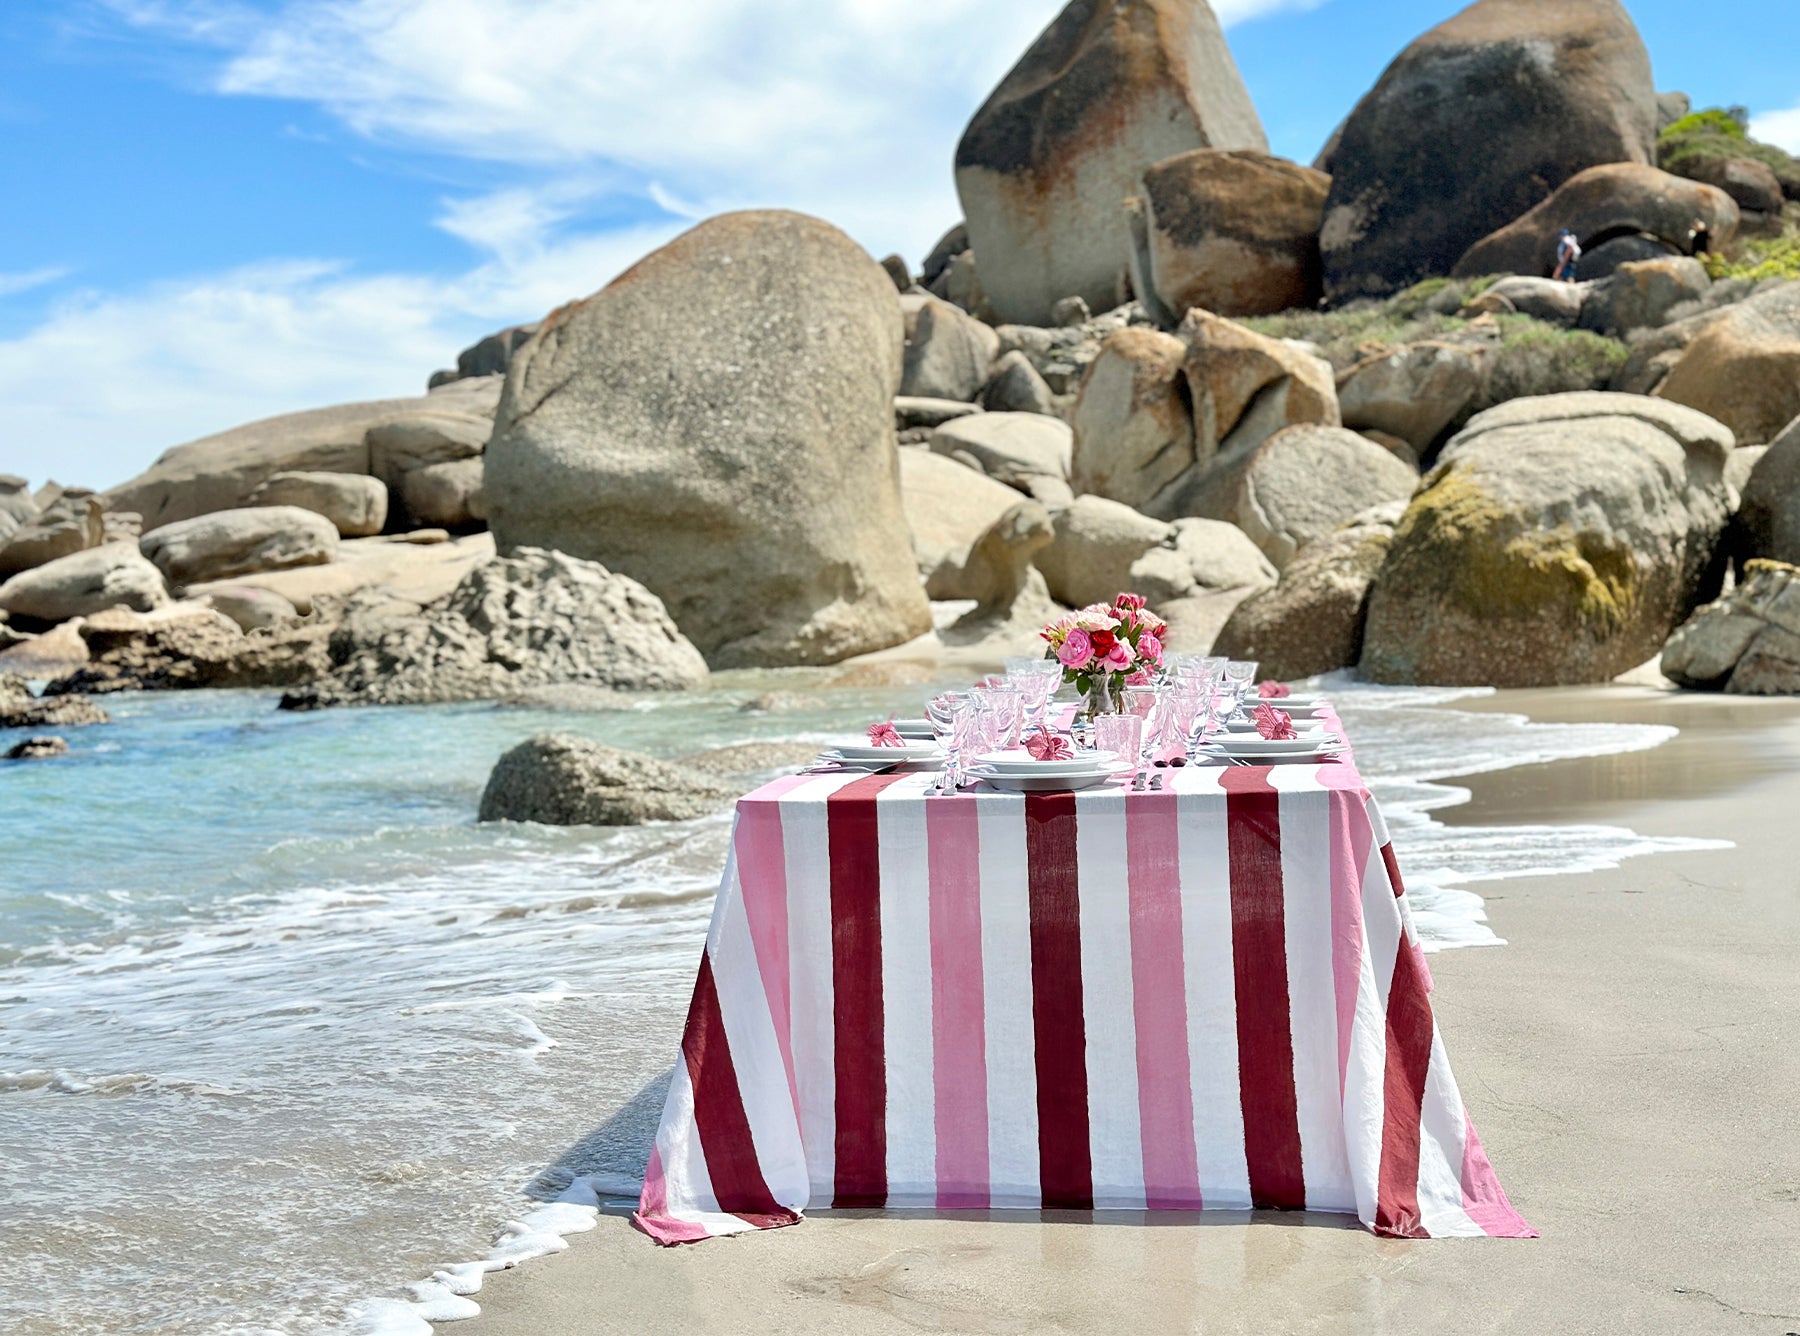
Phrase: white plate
(915, 728)
(912, 751)
(1048, 783)
(1018, 761)
(1240, 746)
(1282, 758)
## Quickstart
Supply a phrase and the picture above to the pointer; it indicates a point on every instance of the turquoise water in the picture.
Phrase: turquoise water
(281, 1027)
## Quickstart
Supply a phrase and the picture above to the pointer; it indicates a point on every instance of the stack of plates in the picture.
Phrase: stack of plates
(916, 754)
(1018, 772)
(1313, 745)
(915, 730)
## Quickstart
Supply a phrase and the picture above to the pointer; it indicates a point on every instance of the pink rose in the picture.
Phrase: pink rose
(1150, 648)
(1120, 657)
(1076, 651)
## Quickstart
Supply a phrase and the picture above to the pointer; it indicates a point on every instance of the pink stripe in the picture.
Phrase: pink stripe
(958, 1004)
(1484, 1200)
(1352, 841)
(762, 877)
(653, 1209)
(1159, 993)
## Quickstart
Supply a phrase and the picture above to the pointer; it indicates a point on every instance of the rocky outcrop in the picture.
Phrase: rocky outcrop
(410, 571)
(950, 508)
(17, 508)
(251, 608)
(1231, 230)
(35, 749)
(1472, 125)
(1747, 643)
(1110, 87)
(1742, 365)
(356, 504)
(186, 646)
(1620, 200)
(1752, 185)
(1312, 622)
(948, 354)
(1026, 451)
(109, 576)
(450, 496)
(1014, 386)
(1305, 482)
(72, 522)
(1102, 547)
(718, 424)
(49, 655)
(1413, 391)
(1640, 295)
(231, 543)
(1547, 299)
(1133, 425)
(1013, 600)
(533, 619)
(20, 709)
(1768, 517)
(1558, 540)
(558, 779)
(486, 357)
(221, 472)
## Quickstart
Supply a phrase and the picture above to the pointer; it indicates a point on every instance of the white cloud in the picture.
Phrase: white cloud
(671, 109)
(28, 279)
(1781, 128)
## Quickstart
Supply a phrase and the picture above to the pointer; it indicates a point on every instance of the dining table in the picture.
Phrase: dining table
(1208, 995)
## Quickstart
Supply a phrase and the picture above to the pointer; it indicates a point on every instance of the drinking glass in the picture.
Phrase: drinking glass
(1120, 734)
(1000, 709)
(1141, 701)
(1239, 674)
(1036, 681)
(941, 710)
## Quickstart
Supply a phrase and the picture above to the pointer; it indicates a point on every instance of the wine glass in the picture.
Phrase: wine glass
(1036, 681)
(1239, 674)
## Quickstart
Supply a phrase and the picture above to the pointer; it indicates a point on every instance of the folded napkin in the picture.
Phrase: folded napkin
(1047, 746)
(1274, 690)
(885, 735)
(1273, 724)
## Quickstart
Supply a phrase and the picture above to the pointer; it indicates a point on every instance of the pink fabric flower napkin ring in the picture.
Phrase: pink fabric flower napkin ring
(1273, 724)
(1047, 746)
(885, 735)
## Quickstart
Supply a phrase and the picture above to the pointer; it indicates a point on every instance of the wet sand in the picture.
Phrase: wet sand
(1632, 1060)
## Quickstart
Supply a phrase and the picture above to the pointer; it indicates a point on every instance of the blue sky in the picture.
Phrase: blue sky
(215, 210)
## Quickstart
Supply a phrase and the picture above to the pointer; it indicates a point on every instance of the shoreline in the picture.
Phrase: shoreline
(1622, 1058)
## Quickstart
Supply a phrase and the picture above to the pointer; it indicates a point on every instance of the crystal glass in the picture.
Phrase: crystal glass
(942, 711)
(1036, 681)
(1141, 701)
(1001, 710)
(1239, 674)
(1121, 734)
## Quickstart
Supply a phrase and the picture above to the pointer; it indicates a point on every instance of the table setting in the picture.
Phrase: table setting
(1117, 929)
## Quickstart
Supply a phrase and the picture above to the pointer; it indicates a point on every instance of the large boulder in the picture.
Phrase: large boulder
(221, 472)
(1110, 87)
(1231, 230)
(1305, 482)
(1747, 643)
(1312, 622)
(17, 508)
(1547, 299)
(1102, 548)
(1013, 602)
(1472, 125)
(1743, 365)
(85, 583)
(1133, 429)
(1618, 201)
(533, 619)
(73, 521)
(230, 543)
(1413, 390)
(948, 354)
(1768, 516)
(450, 495)
(1014, 386)
(1752, 185)
(558, 779)
(1558, 540)
(356, 504)
(402, 566)
(1641, 294)
(717, 423)
(1027, 451)
(419, 440)
(950, 509)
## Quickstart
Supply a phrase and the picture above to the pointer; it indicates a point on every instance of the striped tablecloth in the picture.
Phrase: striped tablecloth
(1204, 998)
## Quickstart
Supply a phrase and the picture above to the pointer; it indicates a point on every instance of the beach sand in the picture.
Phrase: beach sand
(1631, 1059)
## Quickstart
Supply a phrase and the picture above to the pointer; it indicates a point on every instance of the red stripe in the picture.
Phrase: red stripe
(719, 1115)
(860, 1057)
(1259, 960)
(1393, 869)
(1408, 1062)
(1065, 1162)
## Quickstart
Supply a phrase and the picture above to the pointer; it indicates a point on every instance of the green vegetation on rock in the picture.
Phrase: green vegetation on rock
(1722, 133)
(1761, 257)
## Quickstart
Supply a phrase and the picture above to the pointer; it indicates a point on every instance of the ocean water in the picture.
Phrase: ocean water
(282, 1029)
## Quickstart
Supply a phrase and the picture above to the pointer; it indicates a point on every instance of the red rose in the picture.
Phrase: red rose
(1103, 642)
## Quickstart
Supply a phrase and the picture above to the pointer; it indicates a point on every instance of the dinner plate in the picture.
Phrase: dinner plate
(1087, 779)
(916, 729)
(1240, 746)
(912, 751)
(1018, 761)
(1319, 757)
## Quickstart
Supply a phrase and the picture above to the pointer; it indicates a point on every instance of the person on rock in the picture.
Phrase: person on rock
(1568, 254)
(1699, 237)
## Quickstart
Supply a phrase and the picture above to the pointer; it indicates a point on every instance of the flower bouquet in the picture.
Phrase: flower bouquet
(1107, 647)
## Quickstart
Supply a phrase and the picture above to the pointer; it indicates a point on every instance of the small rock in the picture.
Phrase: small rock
(557, 779)
(1748, 642)
(86, 582)
(73, 522)
(1070, 312)
(252, 608)
(896, 270)
(231, 543)
(1015, 387)
(448, 494)
(912, 412)
(33, 749)
(20, 709)
(1012, 448)
(949, 356)
(355, 503)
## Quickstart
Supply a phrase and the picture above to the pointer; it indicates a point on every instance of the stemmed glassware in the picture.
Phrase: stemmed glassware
(1036, 681)
(1239, 674)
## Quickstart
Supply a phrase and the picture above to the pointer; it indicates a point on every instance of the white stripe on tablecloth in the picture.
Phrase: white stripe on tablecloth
(689, 1190)
(1115, 1133)
(906, 997)
(1312, 991)
(1211, 975)
(806, 843)
(1365, 1094)
(750, 1035)
(1006, 987)
(1443, 1129)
